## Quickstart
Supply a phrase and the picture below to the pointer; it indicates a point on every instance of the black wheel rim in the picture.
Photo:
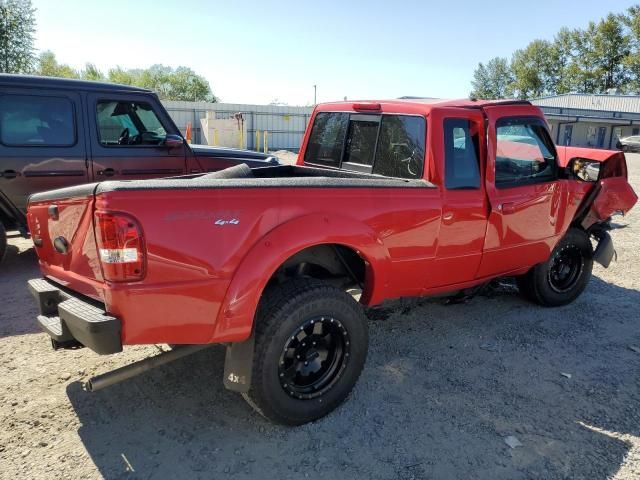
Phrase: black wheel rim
(314, 357)
(565, 268)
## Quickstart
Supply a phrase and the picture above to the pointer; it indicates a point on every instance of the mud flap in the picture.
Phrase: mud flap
(604, 252)
(238, 364)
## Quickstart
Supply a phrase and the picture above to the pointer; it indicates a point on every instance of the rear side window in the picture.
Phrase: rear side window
(327, 139)
(461, 145)
(32, 120)
(524, 152)
(390, 145)
(400, 151)
(125, 123)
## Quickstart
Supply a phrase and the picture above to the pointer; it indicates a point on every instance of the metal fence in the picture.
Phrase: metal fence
(286, 125)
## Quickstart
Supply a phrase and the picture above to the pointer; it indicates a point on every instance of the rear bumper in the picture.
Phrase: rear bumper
(69, 319)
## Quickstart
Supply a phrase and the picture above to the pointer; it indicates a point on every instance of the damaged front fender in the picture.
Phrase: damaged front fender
(611, 196)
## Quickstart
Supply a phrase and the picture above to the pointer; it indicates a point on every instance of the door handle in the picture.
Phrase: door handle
(107, 172)
(507, 208)
(9, 174)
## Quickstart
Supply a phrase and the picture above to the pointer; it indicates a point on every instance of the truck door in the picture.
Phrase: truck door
(42, 142)
(523, 190)
(127, 136)
(458, 148)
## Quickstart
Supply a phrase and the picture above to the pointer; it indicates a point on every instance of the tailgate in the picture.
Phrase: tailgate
(61, 225)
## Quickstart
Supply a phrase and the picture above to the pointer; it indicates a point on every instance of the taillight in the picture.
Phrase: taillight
(120, 247)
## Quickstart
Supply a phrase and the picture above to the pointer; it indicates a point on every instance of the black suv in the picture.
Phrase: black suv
(58, 132)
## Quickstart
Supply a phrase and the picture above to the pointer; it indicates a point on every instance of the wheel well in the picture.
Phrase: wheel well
(337, 264)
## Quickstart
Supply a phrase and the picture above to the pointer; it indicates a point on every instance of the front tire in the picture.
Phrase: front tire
(564, 276)
(311, 346)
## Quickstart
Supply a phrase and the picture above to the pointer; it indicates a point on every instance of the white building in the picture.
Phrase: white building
(285, 125)
(596, 121)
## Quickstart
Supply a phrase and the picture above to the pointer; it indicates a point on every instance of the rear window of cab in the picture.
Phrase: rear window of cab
(384, 144)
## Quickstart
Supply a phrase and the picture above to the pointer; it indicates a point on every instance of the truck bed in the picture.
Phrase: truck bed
(282, 176)
(199, 228)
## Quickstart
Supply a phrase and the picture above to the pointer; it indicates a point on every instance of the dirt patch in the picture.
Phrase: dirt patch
(444, 390)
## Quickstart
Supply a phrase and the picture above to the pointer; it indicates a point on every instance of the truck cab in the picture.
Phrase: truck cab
(501, 181)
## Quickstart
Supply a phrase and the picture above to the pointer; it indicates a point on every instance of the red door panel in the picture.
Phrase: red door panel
(525, 217)
(457, 147)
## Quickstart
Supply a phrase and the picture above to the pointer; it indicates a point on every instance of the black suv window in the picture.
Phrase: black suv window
(123, 123)
(31, 120)
(461, 153)
(390, 145)
(524, 152)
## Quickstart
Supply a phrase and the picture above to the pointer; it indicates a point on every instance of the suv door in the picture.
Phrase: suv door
(127, 138)
(523, 189)
(42, 143)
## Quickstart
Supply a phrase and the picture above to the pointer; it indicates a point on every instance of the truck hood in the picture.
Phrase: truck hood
(235, 153)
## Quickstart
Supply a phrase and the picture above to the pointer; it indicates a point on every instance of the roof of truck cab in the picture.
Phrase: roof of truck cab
(65, 83)
(418, 104)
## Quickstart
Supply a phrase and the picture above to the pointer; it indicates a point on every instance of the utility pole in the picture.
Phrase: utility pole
(315, 91)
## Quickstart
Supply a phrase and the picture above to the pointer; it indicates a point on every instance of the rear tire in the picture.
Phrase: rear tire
(564, 276)
(3, 241)
(311, 344)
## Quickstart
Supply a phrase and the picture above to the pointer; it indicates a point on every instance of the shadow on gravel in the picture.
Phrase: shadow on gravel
(433, 402)
(18, 311)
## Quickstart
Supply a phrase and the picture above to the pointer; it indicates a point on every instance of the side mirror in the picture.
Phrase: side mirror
(173, 141)
(584, 169)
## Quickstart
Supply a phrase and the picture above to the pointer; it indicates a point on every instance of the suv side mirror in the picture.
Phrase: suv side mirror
(173, 141)
(584, 169)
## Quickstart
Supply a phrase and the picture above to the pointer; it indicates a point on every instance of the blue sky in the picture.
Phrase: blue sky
(258, 51)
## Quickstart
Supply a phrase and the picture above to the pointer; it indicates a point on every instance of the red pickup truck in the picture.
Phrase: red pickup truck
(388, 199)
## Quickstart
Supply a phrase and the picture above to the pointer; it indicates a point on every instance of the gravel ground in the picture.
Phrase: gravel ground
(444, 389)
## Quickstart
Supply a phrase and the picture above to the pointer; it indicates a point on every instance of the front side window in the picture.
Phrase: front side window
(125, 123)
(389, 145)
(524, 152)
(31, 120)
(461, 145)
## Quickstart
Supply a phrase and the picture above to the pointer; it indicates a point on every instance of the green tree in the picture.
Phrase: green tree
(493, 80)
(17, 26)
(534, 70)
(91, 72)
(631, 62)
(604, 55)
(181, 83)
(611, 46)
(123, 77)
(48, 66)
(561, 51)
